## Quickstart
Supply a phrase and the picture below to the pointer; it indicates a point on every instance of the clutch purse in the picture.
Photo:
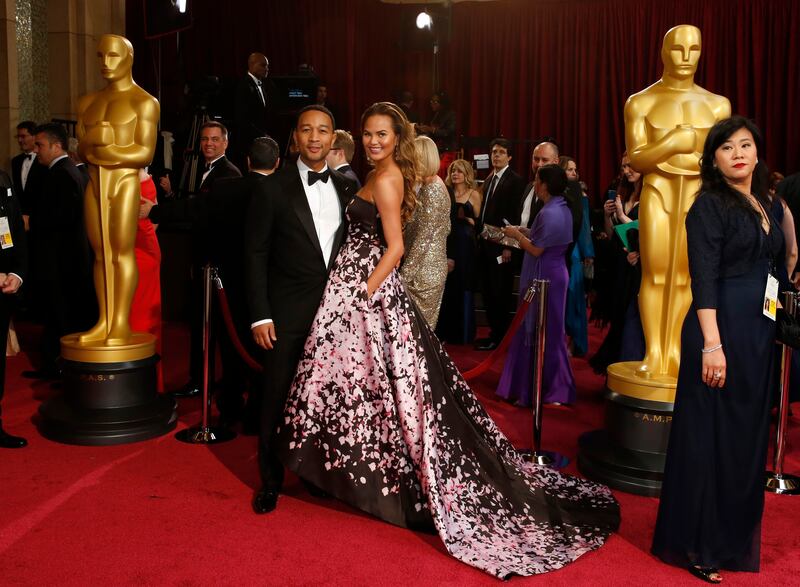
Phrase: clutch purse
(495, 235)
(788, 329)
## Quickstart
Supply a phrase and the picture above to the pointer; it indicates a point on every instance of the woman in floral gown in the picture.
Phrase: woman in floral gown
(379, 416)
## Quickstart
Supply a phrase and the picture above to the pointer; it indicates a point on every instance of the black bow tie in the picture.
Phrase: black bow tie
(31, 156)
(313, 176)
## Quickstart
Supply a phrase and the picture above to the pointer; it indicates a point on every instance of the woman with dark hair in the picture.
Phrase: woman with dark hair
(575, 319)
(379, 416)
(712, 497)
(546, 250)
(625, 338)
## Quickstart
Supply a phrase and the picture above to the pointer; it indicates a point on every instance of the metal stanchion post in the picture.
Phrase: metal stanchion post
(205, 434)
(777, 480)
(539, 288)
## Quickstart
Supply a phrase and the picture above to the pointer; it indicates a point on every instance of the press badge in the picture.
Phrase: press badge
(771, 298)
(5, 233)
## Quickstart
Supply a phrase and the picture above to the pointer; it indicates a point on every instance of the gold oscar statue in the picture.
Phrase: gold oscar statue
(665, 128)
(117, 128)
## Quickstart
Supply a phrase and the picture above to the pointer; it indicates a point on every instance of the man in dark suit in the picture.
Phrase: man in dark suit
(546, 153)
(26, 172)
(224, 214)
(59, 249)
(295, 226)
(213, 144)
(502, 191)
(341, 154)
(13, 262)
(252, 99)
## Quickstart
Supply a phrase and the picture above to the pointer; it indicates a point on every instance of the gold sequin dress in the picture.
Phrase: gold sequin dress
(424, 269)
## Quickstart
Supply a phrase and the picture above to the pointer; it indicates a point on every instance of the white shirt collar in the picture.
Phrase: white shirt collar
(264, 173)
(500, 173)
(56, 160)
(304, 169)
(255, 79)
(211, 163)
(340, 166)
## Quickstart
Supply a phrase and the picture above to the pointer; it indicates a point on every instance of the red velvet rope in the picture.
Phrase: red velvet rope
(234, 336)
(484, 365)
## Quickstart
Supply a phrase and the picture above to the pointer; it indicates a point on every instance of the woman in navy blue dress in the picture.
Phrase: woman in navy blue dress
(713, 492)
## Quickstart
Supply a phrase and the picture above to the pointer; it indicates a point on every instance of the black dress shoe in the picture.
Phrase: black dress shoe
(188, 390)
(489, 346)
(43, 374)
(8, 441)
(265, 501)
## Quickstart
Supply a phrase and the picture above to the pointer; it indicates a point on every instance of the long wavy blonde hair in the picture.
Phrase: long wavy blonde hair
(405, 153)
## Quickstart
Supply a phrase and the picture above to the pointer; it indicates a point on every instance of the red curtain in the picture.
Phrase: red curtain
(520, 68)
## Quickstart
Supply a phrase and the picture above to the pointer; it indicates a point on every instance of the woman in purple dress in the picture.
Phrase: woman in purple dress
(546, 248)
(379, 416)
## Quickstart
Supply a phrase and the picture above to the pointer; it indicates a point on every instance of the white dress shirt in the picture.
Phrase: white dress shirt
(493, 188)
(526, 208)
(259, 85)
(326, 212)
(26, 168)
(210, 167)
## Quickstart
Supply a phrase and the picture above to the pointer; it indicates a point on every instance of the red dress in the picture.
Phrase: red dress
(146, 305)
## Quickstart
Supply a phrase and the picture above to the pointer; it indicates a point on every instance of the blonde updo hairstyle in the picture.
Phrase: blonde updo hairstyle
(427, 157)
(464, 167)
(404, 154)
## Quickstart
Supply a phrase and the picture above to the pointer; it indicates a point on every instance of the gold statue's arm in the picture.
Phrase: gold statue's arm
(140, 152)
(646, 154)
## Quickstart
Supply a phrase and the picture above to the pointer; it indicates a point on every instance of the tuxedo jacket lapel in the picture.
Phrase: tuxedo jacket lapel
(301, 208)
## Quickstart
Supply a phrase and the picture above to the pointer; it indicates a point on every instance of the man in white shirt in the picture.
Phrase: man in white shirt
(27, 173)
(294, 228)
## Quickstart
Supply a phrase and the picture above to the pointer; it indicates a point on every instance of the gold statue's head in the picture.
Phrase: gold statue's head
(115, 54)
(681, 51)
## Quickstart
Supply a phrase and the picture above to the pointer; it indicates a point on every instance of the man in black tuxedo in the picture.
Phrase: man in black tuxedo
(252, 99)
(27, 173)
(341, 154)
(294, 229)
(13, 262)
(224, 213)
(502, 192)
(213, 144)
(59, 249)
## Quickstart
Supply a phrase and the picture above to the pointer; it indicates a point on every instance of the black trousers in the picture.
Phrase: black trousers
(6, 305)
(280, 365)
(498, 284)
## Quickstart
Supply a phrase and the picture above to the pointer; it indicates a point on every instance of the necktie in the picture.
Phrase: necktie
(207, 167)
(313, 176)
(489, 194)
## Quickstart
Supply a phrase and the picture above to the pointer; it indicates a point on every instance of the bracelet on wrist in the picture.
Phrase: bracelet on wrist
(711, 349)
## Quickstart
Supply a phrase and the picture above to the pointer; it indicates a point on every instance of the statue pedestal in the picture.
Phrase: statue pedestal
(109, 395)
(629, 453)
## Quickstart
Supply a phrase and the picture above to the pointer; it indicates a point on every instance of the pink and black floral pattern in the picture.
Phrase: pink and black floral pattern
(379, 416)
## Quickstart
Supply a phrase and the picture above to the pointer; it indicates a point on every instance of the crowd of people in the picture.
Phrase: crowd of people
(344, 288)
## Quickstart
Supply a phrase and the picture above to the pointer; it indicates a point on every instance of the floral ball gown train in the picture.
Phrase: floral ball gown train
(379, 417)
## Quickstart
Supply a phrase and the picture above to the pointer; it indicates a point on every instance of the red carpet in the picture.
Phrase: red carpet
(164, 513)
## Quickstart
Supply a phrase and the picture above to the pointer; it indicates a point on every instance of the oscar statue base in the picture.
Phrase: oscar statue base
(108, 403)
(629, 454)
